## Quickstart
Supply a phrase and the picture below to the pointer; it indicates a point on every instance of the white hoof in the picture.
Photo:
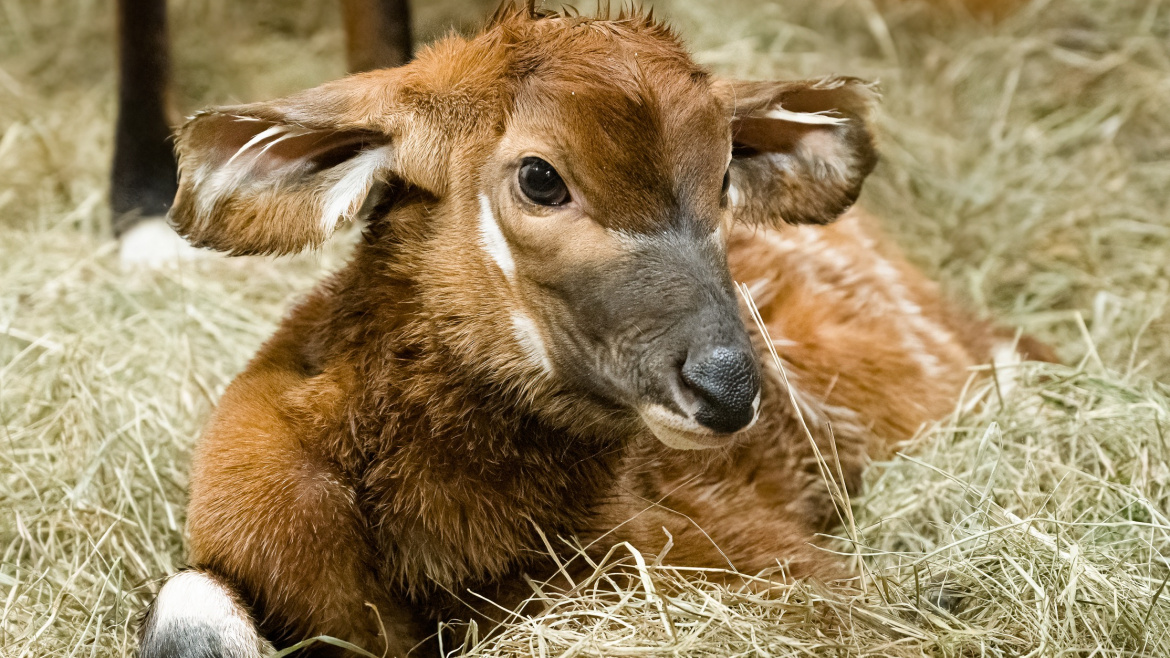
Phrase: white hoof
(196, 616)
(153, 243)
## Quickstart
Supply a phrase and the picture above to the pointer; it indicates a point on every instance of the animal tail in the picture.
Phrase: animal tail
(200, 615)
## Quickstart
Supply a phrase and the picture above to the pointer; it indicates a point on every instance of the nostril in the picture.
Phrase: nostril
(727, 381)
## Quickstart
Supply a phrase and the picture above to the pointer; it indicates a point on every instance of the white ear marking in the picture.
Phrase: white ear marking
(492, 238)
(256, 139)
(288, 135)
(808, 118)
(346, 196)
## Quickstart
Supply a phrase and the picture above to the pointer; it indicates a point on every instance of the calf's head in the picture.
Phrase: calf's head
(563, 189)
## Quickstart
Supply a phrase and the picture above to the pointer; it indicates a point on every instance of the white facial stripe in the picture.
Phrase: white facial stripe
(492, 238)
(528, 335)
(347, 194)
(524, 329)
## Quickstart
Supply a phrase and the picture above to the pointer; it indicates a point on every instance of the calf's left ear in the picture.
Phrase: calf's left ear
(800, 149)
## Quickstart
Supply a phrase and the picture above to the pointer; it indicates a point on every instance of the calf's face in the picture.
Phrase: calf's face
(599, 171)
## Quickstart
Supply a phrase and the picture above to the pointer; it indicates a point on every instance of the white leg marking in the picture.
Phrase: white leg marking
(492, 238)
(152, 243)
(192, 602)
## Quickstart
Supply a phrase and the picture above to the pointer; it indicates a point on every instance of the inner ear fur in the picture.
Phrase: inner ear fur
(280, 176)
(800, 149)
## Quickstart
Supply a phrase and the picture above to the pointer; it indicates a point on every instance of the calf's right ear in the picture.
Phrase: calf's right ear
(800, 149)
(279, 176)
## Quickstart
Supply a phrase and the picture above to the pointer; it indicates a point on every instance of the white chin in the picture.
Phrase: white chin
(685, 433)
(679, 432)
(673, 438)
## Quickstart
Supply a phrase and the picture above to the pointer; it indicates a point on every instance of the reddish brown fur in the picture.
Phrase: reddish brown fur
(393, 445)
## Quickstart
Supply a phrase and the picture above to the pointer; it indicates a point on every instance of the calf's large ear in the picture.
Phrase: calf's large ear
(279, 176)
(800, 149)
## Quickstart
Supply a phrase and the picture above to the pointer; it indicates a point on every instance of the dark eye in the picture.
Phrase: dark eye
(541, 183)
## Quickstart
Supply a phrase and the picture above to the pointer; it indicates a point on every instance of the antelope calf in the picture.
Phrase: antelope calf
(539, 333)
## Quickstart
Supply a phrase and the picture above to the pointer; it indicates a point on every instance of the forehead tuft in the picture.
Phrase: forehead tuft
(631, 73)
(633, 56)
(573, 48)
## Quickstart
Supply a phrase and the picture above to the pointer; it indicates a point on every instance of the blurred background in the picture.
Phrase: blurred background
(1026, 165)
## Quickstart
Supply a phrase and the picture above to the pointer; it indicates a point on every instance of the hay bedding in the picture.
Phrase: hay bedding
(1026, 165)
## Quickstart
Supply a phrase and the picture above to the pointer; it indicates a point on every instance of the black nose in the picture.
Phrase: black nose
(727, 381)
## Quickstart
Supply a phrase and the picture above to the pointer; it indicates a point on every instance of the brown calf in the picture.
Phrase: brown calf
(555, 214)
